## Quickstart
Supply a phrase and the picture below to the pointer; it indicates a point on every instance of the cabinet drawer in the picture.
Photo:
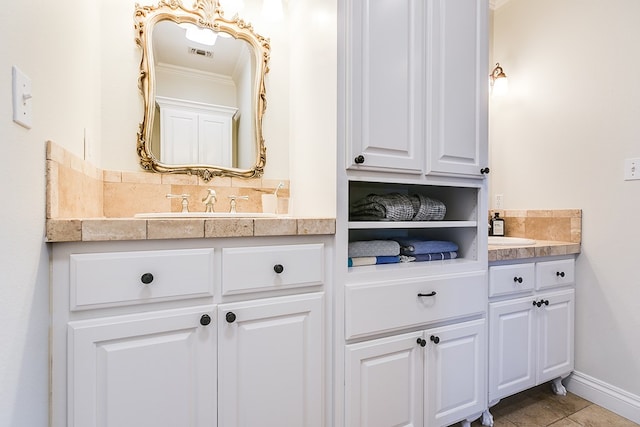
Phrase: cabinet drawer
(395, 305)
(265, 268)
(511, 279)
(118, 278)
(551, 274)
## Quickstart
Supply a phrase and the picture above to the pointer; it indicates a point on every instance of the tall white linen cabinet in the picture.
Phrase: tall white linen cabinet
(411, 337)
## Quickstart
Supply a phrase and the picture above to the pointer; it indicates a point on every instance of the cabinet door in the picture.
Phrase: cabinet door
(555, 334)
(385, 65)
(214, 140)
(457, 94)
(384, 382)
(152, 369)
(179, 136)
(512, 347)
(271, 366)
(456, 386)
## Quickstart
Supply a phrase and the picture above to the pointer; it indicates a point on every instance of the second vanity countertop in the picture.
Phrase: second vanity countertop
(108, 229)
(541, 248)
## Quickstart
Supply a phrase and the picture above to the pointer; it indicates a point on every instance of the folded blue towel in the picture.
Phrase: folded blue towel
(412, 246)
(435, 256)
(366, 248)
(373, 260)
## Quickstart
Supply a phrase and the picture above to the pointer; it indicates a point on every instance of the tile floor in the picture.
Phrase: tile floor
(540, 407)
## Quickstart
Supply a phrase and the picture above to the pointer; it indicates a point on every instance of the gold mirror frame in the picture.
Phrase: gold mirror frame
(207, 14)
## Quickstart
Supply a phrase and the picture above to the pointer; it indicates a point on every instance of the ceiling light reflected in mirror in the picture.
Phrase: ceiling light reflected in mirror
(199, 35)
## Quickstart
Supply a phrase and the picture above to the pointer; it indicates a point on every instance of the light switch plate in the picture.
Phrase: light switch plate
(631, 169)
(22, 98)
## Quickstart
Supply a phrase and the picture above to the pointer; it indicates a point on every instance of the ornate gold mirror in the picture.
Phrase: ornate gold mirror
(202, 82)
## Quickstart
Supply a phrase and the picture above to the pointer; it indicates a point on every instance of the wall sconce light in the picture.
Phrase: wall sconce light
(498, 81)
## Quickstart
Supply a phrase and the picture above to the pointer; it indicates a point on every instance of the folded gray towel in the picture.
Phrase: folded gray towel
(366, 248)
(397, 207)
(393, 206)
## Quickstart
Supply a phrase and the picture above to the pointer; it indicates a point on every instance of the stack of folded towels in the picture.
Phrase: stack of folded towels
(372, 252)
(427, 250)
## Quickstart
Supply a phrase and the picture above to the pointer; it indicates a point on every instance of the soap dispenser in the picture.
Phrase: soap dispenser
(497, 225)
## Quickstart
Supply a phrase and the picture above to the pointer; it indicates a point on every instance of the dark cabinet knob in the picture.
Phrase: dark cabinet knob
(146, 278)
(278, 268)
(517, 279)
(545, 302)
(430, 294)
(422, 342)
(535, 303)
(359, 159)
(205, 319)
(560, 273)
(484, 171)
(435, 339)
(231, 317)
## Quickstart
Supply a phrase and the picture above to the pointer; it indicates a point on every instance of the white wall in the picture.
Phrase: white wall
(559, 141)
(54, 43)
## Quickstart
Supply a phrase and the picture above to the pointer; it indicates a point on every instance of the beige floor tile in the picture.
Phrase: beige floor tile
(540, 413)
(596, 416)
(565, 422)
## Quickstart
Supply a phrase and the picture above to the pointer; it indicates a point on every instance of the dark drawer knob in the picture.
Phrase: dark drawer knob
(231, 317)
(484, 171)
(545, 302)
(560, 273)
(278, 268)
(146, 278)
(535, 303)
(205, 319)
(359, 159)
(435, 339)
(517, 279)
(422, 342)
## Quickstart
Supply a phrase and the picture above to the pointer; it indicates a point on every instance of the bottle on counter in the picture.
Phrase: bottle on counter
(497, 225)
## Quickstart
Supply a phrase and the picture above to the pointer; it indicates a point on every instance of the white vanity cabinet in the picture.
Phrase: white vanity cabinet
(427, 378)
(144, 335)
(531, 328)
(416, 86)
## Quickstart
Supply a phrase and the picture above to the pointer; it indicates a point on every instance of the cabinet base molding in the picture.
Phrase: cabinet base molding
(606, 395)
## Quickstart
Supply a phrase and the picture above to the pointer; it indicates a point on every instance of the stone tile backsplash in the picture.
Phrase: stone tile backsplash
(76, 189)
(563, 225)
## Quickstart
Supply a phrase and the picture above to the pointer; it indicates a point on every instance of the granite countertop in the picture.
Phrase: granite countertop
(541, 248)
(106, 229)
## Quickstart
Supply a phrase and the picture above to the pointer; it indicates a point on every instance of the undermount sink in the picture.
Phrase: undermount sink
(510, 241)
(205, 215)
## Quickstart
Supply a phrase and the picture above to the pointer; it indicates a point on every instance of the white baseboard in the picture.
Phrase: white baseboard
(610, 397)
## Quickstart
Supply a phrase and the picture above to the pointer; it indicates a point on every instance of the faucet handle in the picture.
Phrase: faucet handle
(232, 208)
(185, 200)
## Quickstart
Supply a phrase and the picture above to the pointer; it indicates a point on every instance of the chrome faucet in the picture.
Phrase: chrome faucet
(185, 201)
(209, 200)
(233, 202)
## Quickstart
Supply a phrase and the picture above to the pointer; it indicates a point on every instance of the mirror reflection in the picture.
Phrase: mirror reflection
(202, 77)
